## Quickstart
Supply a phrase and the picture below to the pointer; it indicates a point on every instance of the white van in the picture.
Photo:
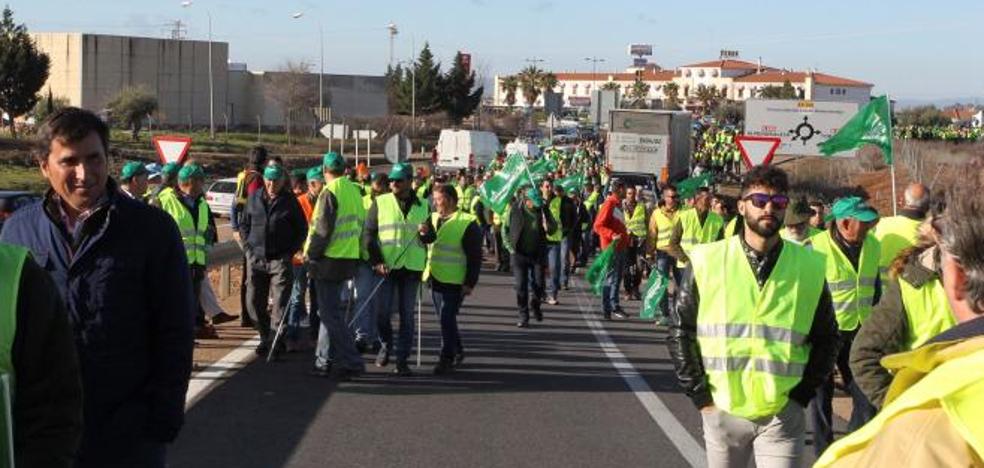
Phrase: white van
(457, 149)
(527, 149)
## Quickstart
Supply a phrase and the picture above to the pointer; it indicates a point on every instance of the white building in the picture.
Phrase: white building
(737, 79)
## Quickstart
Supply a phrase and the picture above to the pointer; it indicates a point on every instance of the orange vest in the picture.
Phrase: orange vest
(308, 210)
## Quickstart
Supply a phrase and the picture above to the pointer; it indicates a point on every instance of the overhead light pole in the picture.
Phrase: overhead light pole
(211, 82)
(321, 64)
(594, 70)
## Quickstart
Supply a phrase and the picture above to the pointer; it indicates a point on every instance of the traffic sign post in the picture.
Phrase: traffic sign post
(757, 150)
(171, 148)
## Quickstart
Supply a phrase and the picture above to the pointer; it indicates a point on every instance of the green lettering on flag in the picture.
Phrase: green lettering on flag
(655, 289)
(871, 125)
(497, 192)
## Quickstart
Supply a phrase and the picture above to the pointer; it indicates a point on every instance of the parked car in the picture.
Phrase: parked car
(13, 200)
(220, 196)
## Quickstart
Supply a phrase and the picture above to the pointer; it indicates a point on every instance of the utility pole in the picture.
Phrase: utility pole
(392, 32)
(594, 70)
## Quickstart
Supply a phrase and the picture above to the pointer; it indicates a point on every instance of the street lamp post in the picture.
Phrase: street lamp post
(211, 82)
(594, 70)
(321, 65)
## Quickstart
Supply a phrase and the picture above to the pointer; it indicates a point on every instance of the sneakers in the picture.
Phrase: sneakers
(223, 317)
(619, 314)
(444, 366)
(382, 357)
(206, 332)
(402, 369)
(523, 323)
(552, 301)
(321, 371)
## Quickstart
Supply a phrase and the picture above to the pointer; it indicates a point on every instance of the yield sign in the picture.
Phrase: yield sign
(172, 148)
(757, 150)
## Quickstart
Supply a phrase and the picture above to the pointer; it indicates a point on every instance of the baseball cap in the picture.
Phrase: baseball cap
(315, 173)
(333, 161)
(131, 170)
(191, 171)
(170, 169)
(401, 171)
(852, 207)
(273, 173)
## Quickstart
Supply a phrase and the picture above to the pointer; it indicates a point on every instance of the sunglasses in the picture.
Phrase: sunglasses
(759, 200)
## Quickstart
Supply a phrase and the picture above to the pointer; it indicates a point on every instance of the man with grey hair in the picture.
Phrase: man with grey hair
(897, 233)
(933, 406)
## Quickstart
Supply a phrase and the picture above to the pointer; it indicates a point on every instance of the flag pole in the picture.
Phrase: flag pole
(891, 142)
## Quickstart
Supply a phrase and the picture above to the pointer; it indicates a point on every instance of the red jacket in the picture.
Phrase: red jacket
(607, 225)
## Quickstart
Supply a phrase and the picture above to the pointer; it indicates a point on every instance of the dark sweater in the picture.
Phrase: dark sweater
(273, 228)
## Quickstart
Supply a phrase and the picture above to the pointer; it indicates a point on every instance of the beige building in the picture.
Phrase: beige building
(90, 69)
(736, 79)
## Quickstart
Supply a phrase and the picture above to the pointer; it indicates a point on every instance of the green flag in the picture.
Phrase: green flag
(541, 167)
(571, 182)
(871, 125)
(599, 269)
(655, 289)
(497, 192)
(686, 188)
(6, 422)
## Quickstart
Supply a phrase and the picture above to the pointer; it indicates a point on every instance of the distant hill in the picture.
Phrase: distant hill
(903, 102)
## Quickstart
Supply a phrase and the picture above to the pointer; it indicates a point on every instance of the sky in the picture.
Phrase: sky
(909, 49)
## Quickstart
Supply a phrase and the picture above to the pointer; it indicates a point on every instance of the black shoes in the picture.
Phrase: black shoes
(321, 371)
(606, 315)
(382, 357)
(345, 375)
(402, 369)
(619, 314)
(538, 315)
(523, 323)
(459, 358)
(444, 366)
(361, 346)
(262, 349)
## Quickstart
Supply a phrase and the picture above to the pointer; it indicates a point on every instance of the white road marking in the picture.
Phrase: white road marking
(689, 447)
(212, 376)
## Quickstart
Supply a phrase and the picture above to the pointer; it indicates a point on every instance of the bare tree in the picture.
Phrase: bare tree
(295, 89)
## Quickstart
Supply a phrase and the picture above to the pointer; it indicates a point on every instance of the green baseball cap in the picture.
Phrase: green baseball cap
(170, 169)
(315, 173)
(852, 207)
(401, 171)
(191, 171)
(333, 160)
(273, 173)
(299, 173)
(131, 170)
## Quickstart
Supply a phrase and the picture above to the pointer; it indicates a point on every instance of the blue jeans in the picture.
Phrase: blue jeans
(821, 408)
(365, 326)
(296, 308)
(335, 342)
(447, 304)
(557, 262)
(613, 279)
(399, 294)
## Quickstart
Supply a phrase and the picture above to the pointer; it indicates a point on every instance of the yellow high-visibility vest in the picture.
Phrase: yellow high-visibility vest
(398, 233)
(349, 219)
(446, 260)
(896, 233)
(852, 291)
(192, 234)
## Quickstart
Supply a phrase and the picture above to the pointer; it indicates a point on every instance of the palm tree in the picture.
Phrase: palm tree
(529, 84)
(610, 86)
(708, 97)
(638, 92)
(672, 92)
(510, 84)
(548, 81)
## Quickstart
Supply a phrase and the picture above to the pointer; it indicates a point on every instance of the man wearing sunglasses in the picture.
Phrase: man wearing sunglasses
(753, 333)
(852, 254)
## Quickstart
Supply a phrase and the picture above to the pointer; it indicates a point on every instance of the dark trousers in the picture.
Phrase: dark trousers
(268, 279)
(197, 276)
(244, 319)
(523, 269)
(502, 255)
(447, 304)
(633, 271)
(821, 408)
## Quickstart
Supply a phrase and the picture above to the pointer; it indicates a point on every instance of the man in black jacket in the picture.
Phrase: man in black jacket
(727, 334)
(47, 409)
(529, 223)
(273, 229)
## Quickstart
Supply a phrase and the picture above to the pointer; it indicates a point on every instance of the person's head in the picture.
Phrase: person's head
(362, 172)
(588, 187)
(315, 181)
(169, 174)
(817, 219)
(671, 197)
(917, 197)
(275, 161)
(134, 176)
(298, 181)
(445, 198)
(702, 200)
(618, 189)
(274, 180)
(191, 180)
(798, 219)
(558, 190)
(333, 165)
(399, 180)
(853, 218)
(764, 200)
(71, 149)
(962, 243)
(719, 206)
(630, 194)
(380, 183)
(257, 157)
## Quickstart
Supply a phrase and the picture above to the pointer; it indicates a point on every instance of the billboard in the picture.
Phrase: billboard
(802, 125)
(641, 49)
(640, 62)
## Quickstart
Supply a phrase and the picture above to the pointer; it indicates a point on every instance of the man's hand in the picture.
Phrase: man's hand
(236, 237)
(423, 229)
(466, 290)
(381, 269)
(616, 237)
(708, 409)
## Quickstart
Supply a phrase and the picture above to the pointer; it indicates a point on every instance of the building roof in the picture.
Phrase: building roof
(726, 64)
(960, 114)
(780, 76)
(648, 75)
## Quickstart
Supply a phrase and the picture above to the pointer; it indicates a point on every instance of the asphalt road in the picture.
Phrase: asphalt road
(567, 392)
